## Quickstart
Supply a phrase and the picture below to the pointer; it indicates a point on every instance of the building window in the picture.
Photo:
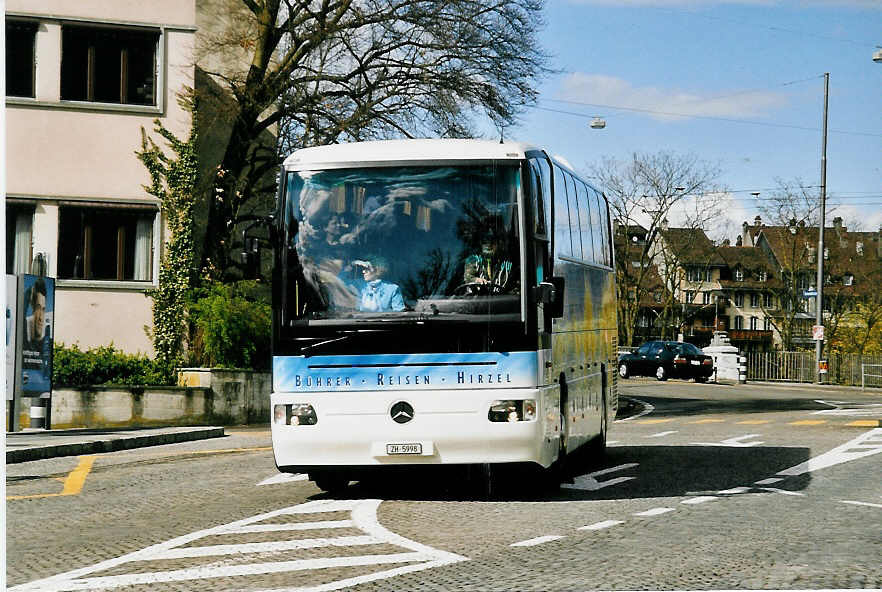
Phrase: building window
(690, 296)
(754, 300)
(739, 322)
(739, 275)
(657, 296)
(106, 65)
(767, 324)
(19, 222)
(705, 297)
(763, 276)
(20, 60)
(848, 280)
(105, 244)
(753, 323)
(739, 299)
(768, 301)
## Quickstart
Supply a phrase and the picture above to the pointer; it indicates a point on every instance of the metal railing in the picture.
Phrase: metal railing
(865, 375)
(843, 369)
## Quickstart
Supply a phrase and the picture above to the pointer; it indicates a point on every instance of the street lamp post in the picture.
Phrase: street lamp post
(819, 313)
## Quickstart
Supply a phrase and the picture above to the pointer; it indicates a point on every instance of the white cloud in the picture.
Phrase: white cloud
(599, 89)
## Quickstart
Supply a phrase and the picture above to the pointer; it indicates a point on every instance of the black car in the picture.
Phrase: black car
(664, 359)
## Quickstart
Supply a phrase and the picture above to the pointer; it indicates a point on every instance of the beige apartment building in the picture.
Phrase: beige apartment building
(83, 79)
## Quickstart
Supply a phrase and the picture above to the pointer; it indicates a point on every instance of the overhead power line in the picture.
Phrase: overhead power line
(692, 116)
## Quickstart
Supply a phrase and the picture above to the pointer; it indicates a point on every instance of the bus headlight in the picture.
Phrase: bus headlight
(512, 410)
(295, 414)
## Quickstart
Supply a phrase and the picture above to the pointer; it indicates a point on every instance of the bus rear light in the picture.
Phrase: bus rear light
(511, 411)
(679, 360)
(295, 414)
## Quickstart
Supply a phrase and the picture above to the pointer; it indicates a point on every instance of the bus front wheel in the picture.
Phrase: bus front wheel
(330, 482)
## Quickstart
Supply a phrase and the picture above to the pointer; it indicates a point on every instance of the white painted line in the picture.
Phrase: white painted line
(861, 504)
(770, 480)
(838, 455)
(364, 518)
(318, 525)
(614, 469)
(700, 499)
(736, 442)
(252, 569)
(601, 525)
(647, 410)
(537, 541)
(276, 546)
(735, 490)
(662, 434)
(611, 442)
(284, 478)
(655, 512)
(783, 491)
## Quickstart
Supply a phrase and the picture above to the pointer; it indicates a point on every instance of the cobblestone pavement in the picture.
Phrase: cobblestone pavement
(752, 489)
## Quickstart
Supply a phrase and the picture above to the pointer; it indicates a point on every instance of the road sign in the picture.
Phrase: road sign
(822, 366)
(809, 293)
(818, 332)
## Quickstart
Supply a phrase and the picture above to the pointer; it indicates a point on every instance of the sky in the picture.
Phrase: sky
(749, 73)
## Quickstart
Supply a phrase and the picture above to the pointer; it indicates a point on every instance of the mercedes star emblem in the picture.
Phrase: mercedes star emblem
(401, 412)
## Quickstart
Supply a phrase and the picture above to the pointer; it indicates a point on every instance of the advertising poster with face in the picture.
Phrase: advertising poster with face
(11, 292)
(37, 343)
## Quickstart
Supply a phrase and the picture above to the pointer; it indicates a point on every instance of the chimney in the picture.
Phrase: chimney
(744, 231)
(837, 225)
(879, 243)
(738, 241)
(725, 242)
(758, 221)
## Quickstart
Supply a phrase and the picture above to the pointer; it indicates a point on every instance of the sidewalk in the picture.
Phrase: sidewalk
(35, 444)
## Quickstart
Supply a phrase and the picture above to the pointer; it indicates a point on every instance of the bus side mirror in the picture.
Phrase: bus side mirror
(250, 255)
(551, 295)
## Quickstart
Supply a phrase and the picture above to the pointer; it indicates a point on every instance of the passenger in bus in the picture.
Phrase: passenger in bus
(378, 295)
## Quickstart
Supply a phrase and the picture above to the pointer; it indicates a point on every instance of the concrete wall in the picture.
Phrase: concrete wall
(230, 397)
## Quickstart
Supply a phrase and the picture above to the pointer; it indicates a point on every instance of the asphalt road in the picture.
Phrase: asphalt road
(711, 487)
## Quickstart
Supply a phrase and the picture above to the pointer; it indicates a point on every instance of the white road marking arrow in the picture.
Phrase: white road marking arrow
(864, 445)
(736, 442)
(284, 478)
(850, 409)
(589, 483)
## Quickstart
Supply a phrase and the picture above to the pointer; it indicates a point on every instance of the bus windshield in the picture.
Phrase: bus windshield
(401, 243)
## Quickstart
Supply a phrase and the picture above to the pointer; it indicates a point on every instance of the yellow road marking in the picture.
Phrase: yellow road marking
(73, 483)
(865, 423)
(808, 422)
(754, 422)
(708, 421)
(652, 421)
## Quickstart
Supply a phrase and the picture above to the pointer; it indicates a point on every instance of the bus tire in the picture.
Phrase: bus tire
(329, 481)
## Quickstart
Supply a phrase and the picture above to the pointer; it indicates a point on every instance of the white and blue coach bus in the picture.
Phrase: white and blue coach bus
(438, 302)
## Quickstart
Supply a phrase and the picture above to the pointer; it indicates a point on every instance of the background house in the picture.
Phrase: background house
(85, 77)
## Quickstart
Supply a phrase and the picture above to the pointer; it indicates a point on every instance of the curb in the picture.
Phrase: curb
(110, 445)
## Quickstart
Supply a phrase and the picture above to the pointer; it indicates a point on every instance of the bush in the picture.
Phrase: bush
(232, 324)
(105, 364)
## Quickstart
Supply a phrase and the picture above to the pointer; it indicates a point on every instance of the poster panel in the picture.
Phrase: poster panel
(11, 324)
(36, 347)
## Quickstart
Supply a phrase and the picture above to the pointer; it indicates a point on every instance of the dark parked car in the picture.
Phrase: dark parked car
(664, 359)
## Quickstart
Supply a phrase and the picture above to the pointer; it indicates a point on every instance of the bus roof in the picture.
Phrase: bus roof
(393, 152)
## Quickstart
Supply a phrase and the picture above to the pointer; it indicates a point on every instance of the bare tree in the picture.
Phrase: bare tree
(643, 193)
(332, 70)
(792, 239)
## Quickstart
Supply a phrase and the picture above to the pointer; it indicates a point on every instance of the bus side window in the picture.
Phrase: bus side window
(587, 223)
(563, 245)
(537, 199)
(604, 226)
(575, 206)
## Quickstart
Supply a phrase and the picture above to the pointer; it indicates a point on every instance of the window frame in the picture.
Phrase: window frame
(158, 66)
(146, 209)
(31, 27)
